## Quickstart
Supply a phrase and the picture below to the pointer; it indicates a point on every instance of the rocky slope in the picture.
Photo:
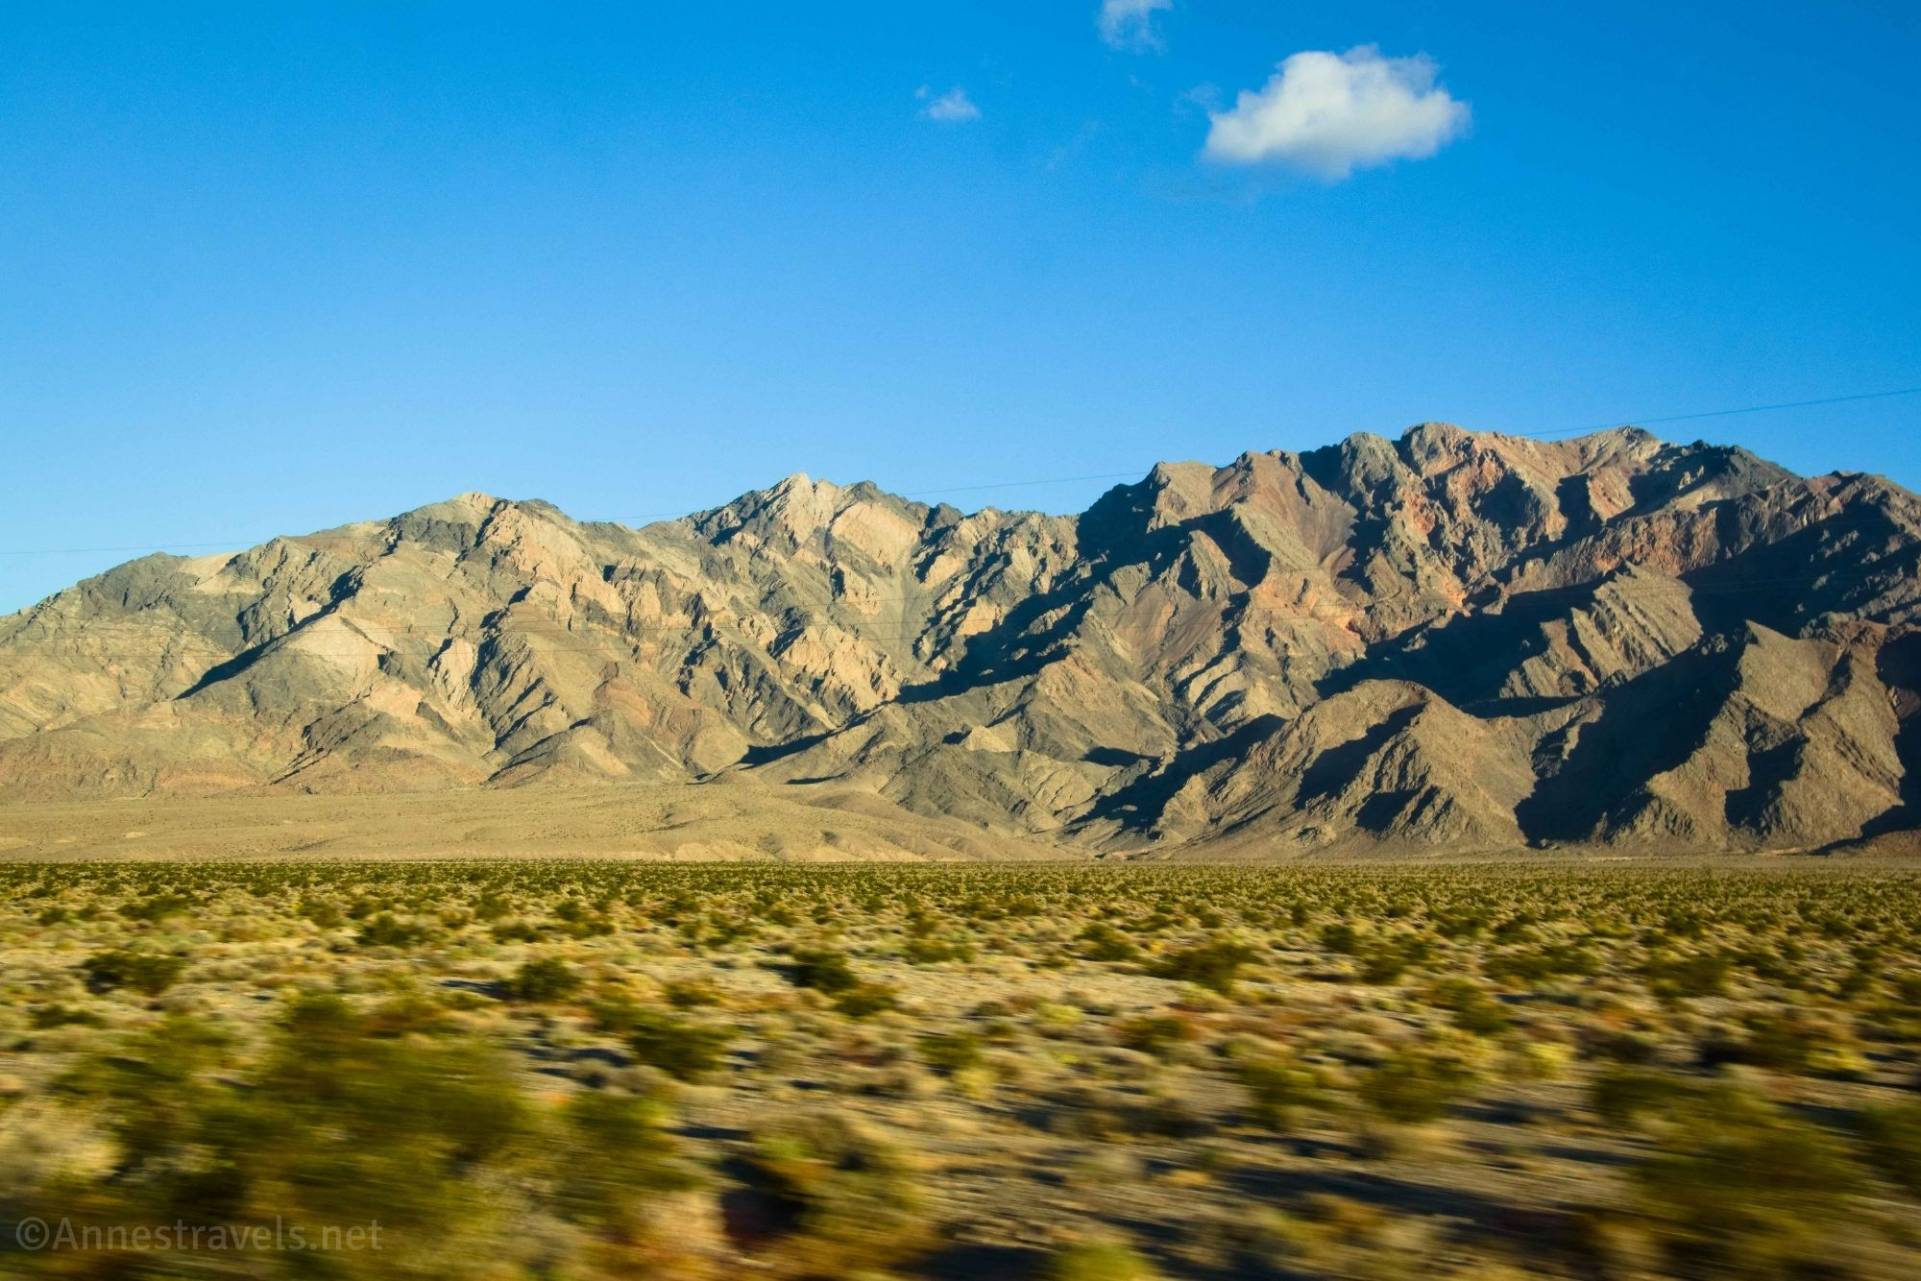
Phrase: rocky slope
(1448, 641)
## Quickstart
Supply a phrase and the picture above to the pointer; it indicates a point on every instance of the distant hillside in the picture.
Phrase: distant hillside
(1449, 641)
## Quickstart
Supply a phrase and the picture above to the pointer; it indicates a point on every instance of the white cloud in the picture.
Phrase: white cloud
(1331, 114)
(1129, 24)
(952, 107)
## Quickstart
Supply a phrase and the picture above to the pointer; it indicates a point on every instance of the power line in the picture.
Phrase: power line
(1719, 413)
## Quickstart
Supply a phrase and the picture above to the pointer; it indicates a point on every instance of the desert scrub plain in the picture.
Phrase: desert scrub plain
(596, 1070)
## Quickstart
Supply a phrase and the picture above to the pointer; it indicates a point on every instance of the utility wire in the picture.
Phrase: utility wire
(1729, 413)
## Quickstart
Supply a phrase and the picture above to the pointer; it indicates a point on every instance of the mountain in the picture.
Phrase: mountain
(1449, 641)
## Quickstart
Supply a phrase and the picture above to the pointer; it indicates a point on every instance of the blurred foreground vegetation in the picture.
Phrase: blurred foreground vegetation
(587, 1071)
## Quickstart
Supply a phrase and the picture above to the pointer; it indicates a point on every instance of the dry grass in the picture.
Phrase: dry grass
(605, 1070)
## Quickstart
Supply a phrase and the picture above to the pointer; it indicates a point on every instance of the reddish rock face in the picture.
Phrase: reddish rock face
(1452, 640)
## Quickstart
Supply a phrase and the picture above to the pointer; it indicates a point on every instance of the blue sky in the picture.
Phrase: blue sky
(266, 268)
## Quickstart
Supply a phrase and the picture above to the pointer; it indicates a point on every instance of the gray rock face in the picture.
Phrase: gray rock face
(1449, 641)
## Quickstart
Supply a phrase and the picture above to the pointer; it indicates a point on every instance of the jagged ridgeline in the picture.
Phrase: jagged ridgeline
(1449, 641)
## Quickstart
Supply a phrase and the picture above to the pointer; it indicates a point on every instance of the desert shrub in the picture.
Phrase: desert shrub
(842, 1199)
(1213, 964)
(1621, 1095)
(1102, 942)
(933, 951)
(615, 1012)
(1278, 1088)
(577, 1186)
(1786, 1041)
(576, 920)
(677, 1046)
(864, 1000)
(615, 1156)
(1535, 965)
(333, 1126)
(1474, 1010)
(1693, 974)
(1155, 1034)
(1340, 937)
(156, 907)
(153, 1085)
(1615, 1045)
(47, 1017)
(148, 973)
(1098, 1261)
(690, 994)
(1740, 1189)
(323, 912)
(951, 1052)
(543, 979)
(1414, 1086)
(1460, 924)
(821, 970)
(492, 905)
(387, 930)
(1891, 1139)
(1384, 965)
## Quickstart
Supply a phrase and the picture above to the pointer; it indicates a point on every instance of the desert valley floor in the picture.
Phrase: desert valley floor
(610, 1069)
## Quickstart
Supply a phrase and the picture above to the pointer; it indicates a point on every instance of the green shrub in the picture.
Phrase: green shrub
(616, 1013)
(144, 972)
(334, 1125)
(614, 1158)
(1155, 1033)
(1694, 974)
(324, 913)
(1742, 1190)
(676, 1046)
(1098, 1261)
(1277, 1089)
(492, 905)
(53, 1016)
(1891, 1137)
(1383, 966)
(1535, 965)
(515, 932)
(156, 907)
(386, 930)
(1780, 1041)
(1339, 936)
(1414, 1087)
(1622, 1095)
(690, 994)
(933, 951)
(951, 1052)
(543, 979)
(865, 1000)
(1474, 1010)
(1212, 964)
(821, 970)
(846, 1199)
(1102, 942)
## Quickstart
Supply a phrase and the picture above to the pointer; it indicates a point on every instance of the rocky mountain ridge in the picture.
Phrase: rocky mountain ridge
(1449, 641)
